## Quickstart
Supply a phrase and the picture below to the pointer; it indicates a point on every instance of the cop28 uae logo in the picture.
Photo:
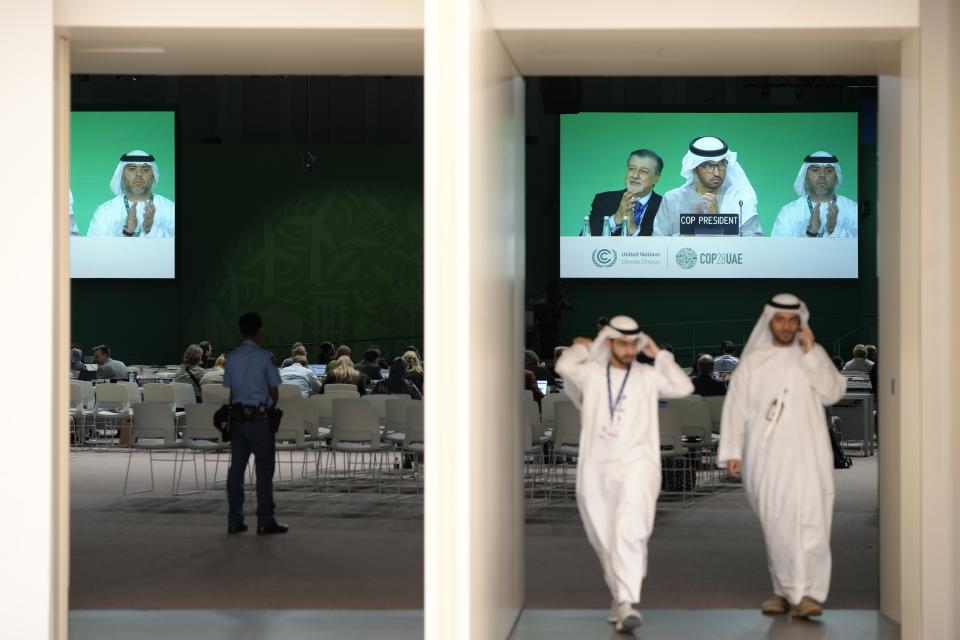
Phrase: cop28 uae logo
(604, 257)
(686, 258)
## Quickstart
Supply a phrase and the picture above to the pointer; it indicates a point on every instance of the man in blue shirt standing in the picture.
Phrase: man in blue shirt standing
(253, 380)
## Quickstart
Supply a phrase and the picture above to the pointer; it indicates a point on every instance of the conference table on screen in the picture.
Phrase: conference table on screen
(107, 257)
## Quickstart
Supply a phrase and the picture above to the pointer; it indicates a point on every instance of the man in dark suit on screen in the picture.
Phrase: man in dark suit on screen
(637, 204)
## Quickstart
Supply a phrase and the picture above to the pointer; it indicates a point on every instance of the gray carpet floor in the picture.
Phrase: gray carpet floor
(364, 551)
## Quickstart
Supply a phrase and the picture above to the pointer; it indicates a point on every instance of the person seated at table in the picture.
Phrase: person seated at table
(414, 369)
(190, 371)
(207, 361)
(298, 374)
(342, 350)
(705, 383)
(214, 375)
(370, 365)
(296, 350)
(345, 373)
(76, 358)
(397, 382)
(107, 368)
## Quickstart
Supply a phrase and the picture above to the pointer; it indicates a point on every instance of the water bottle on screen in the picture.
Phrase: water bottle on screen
(624, 228)
(585, 229)
(606, 226)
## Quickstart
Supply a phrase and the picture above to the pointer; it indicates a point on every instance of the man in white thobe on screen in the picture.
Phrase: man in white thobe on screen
(715, 183)
(773, 430)
(135, 211)
(618, 473)
(819, 212)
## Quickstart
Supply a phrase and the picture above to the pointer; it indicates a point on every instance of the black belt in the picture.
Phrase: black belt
(247, 413)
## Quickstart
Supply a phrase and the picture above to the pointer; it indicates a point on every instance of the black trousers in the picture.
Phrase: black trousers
(245, 438)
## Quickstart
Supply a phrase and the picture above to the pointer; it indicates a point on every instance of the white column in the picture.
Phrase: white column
(473, 290)
(35, 367)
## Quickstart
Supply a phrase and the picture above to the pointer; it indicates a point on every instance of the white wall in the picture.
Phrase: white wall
(27, 178)
(474, 281)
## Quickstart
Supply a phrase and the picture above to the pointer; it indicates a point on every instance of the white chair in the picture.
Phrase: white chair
(79, 415)
(111, 409)
(337, 388)
(183, 395)
(528, 395)
(395, 423)
(533, 443)
(134, 392)
(201, 437)
(214, 394)
(379, 401)
(154, 429)
(547, 414)
(291, 435)
(89, 395)
(414, 442)
(715, 404)
(566, 440)
(289, 390)
(676, 472)
(701, 443)
(355, 434)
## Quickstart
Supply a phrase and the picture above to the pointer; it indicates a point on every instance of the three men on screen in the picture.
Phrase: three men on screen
(637, 204)
(135, 211)
(715, 183)
(819, 212)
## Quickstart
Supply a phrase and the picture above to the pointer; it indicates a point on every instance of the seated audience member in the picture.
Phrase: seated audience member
(190, 370)
(414, 369)
(342, 350)
(107, 368)
(207, 361)
(76, 358)
(396, 381)
(214, 375)
(370, 365)
(859, 362)
(346, 373)
(602, 321)
(299, 374)
(325, 353)
(532, 362)
(837, 362)
(557, 352)
(530, 384)
(872, 353)
(705, 384)
(727, 361)
(296, 350)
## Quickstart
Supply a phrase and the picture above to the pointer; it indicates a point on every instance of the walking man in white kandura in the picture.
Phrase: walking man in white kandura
(773, 430)
(618, 472)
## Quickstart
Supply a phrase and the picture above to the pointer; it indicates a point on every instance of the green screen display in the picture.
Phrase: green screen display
(594, 149)
(99, 138)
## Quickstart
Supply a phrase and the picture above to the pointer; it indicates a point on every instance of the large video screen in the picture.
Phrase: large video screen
(122, 194)
(708, 195)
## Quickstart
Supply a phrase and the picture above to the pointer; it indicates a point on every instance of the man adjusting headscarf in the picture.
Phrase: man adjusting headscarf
(135, 211)
(773, 430)
(714, 183)
(618, 470)
(818, 212)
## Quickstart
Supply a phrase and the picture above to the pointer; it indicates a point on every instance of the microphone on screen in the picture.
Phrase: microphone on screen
(741, 209)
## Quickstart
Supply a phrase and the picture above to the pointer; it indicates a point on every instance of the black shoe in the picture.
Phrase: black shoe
(276, 527)
(236, 528)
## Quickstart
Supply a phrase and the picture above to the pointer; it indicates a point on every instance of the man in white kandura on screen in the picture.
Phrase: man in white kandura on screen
(618, 474)
(819, 212)
(714, 182)
(773, 430)
(136, 211)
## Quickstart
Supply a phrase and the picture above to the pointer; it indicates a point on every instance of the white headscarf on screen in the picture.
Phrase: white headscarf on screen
(761, 338)
(619, 327)
(736, 185)
(137, 156)
(816, 159)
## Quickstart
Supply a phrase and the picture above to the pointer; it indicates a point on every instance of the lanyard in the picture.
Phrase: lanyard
(613, 405)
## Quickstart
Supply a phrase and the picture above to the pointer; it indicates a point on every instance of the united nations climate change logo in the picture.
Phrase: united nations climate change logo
(604, 257)
(687, 258)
